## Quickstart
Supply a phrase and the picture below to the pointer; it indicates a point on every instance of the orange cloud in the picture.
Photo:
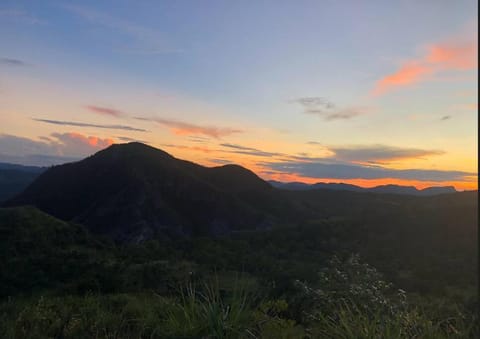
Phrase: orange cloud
(471, 106)
(191, 148)
(447, 56)
(77, 144)
(409, 73)
(90, 140)
(461, 56)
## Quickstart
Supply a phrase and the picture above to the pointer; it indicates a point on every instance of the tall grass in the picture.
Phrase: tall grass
(210, 310)
(207, 312)
(349, 321)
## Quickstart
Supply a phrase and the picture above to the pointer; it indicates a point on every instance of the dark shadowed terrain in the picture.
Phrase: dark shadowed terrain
(185, 251)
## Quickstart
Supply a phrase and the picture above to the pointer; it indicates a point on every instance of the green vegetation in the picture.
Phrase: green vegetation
(299, 281)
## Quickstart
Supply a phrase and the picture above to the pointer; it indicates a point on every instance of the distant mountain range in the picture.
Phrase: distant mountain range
(15, 178)
(387, 189)
(133, 192)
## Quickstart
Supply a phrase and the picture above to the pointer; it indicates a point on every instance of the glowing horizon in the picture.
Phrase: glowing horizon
(217, 83)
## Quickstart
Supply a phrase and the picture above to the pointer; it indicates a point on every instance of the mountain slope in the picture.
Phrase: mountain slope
(133, 191)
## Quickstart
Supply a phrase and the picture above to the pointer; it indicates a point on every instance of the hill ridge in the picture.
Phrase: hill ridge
(133, 191)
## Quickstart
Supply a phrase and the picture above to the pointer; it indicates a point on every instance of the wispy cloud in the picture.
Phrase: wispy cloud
(315, 102)
(82, 124)
(219, 161)
(346, 113)
(143, 40)
(410, 73)
(186, 128)
(459, 54)
(13, 62)
(327, 109)
(357, 154)
(198, 139)
(380, 153)
(250, 151)
(128, 139)
(321, 170)
(202, 149)
(105, 111)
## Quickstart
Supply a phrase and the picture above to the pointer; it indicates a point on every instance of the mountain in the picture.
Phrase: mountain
(23, 168)
(15, 178)
(132, 192)
(301, 186)
(385, 189)
(437, 190)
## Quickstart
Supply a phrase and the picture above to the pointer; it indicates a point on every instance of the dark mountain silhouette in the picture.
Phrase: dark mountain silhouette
(387, 189)
(132, 191)
(438, 190)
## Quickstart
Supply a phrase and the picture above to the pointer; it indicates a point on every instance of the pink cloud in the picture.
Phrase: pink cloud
(186, 128)
(74, 143)
(410, 73)
(457, 56)
(48, 150)
(454, 55)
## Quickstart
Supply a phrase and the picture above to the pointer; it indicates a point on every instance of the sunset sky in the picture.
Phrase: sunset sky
(362, 92)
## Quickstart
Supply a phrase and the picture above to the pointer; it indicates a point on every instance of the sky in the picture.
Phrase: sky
(361, 92)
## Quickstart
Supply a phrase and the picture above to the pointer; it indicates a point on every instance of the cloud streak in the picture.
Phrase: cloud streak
(81, 124)
(345, 114)
(319, 170)
(358, 154)
(327, 109)
(350, 162)
(186, 128)
(238, 149)
(380, 153)
(314, 102)
(105, 111)
(128, 139)
(13, 62)
(453, 55)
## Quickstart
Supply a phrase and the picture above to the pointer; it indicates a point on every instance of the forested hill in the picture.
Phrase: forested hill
(132, 192)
